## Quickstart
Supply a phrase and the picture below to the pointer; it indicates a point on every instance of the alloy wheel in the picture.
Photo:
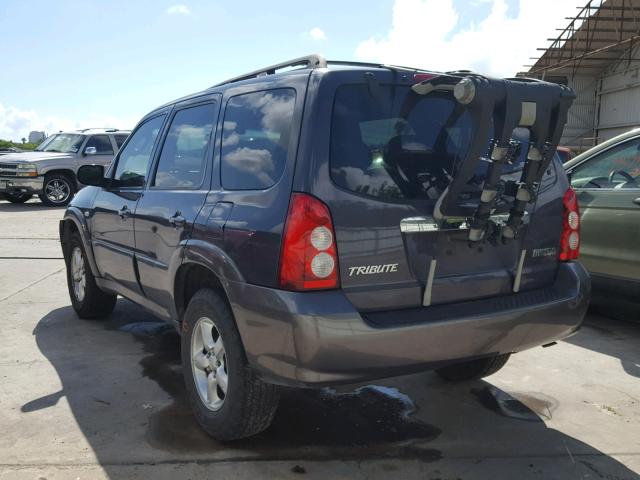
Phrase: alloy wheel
(57, 190)
(78, 274)
(209, 364)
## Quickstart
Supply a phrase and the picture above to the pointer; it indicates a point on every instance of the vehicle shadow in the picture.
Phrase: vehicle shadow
(123, 384)
(30, 206)
(616, 338)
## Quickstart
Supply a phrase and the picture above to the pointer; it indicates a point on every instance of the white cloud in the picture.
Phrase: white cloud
(16, 123)
(317, 33)
(421, 35)
(178, 9)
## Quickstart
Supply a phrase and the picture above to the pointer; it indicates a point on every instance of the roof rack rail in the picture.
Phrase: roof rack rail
(376, 65)
(309, 61)
(106, 129)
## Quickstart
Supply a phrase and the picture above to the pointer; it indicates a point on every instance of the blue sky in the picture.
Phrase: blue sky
(70, 63)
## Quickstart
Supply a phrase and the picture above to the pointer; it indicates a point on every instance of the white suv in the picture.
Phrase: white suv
(50, 170)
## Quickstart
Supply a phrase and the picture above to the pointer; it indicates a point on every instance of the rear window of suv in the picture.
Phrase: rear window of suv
(394, 144)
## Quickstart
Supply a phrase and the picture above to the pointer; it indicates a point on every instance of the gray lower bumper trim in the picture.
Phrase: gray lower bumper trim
(319, 338)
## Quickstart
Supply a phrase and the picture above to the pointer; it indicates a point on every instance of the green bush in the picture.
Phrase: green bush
(21, 146)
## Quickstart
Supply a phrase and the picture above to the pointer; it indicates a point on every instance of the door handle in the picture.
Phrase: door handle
(178, 221)
(124, 212)
(637, 201)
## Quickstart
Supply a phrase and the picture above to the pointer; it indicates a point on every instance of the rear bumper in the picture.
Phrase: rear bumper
(319, 338)
(21, 184)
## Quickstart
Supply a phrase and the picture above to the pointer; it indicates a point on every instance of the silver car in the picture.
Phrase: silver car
(50, 170)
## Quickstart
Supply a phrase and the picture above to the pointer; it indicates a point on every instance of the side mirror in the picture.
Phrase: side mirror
(90, 151)
(92, 175)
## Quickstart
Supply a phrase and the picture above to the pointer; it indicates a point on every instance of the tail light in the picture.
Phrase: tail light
(309, 259)
(570, 239)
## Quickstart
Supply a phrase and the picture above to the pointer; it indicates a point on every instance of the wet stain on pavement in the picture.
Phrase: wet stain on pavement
(532, 407)
(371, 421)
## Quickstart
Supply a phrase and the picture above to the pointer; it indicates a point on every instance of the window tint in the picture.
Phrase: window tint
(101, 143)
(182, 161)
(120, 140)
(134, 158)
(595, 173)
(255, 138)
(396, 145)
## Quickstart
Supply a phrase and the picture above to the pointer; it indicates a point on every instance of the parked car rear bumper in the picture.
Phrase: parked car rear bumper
(319, 338)
(21, 184)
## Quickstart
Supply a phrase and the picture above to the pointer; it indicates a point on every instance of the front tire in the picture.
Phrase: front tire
(227, 399)
(17, 198)
(86, 297)
(473, 369)
(57, 190)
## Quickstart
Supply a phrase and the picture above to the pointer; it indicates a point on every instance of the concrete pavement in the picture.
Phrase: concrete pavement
(105, 399)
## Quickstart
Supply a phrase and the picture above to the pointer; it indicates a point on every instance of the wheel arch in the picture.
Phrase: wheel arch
(73, 221)
(190, 278)
(203, 265)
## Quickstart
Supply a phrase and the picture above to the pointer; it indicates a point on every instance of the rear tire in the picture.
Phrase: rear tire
(18, 198)
(87, 299)
(57, 190)
(473, 369)
(227, 398)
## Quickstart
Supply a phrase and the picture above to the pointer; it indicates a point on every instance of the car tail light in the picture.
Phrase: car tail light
(309, 259)
(570, 239)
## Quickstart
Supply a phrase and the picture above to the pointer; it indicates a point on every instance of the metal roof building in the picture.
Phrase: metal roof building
(597, 54)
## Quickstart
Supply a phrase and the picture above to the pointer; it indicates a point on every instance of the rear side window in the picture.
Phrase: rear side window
(120, 140)
(134, 158)
(183, 157)
(101, 143)
(255, 138)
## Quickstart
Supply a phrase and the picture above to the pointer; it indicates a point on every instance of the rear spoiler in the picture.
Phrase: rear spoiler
(539, 106)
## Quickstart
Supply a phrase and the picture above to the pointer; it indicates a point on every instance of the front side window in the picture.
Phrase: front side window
(134, 158)
(101, 143)
(618, 167)
(255, 138)
(62, 143)
(183, 158)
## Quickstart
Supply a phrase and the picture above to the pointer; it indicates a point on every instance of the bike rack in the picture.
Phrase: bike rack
(539, 106)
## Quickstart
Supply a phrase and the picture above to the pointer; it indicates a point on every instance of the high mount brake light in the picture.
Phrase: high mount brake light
(309, 259)
(570, 238)
(421, 77)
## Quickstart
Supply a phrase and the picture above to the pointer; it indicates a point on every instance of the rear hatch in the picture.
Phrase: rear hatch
(392, 156)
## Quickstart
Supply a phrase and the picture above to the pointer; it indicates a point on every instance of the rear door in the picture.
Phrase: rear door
(112, 232)
(165, 214)
(608, 189)
(392, 154)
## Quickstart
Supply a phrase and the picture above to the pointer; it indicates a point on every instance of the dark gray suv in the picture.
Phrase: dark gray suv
(334, 223)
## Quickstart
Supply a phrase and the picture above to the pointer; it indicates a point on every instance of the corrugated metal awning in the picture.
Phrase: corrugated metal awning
(598, 35)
